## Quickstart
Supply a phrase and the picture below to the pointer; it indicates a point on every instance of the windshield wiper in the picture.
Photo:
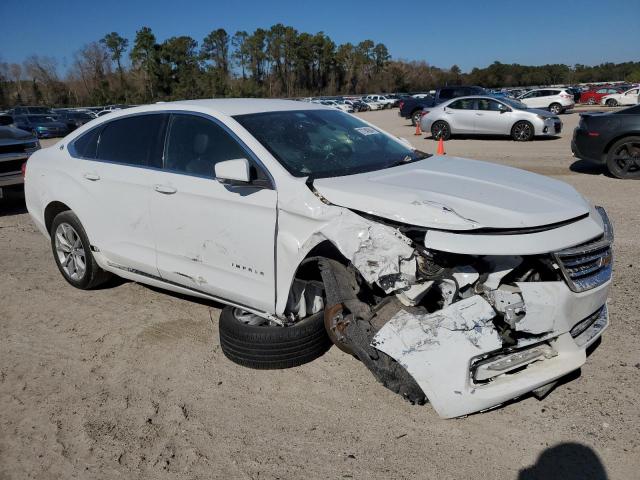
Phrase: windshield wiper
(410, 159)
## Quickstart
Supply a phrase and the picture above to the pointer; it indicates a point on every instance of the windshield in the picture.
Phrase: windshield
(512, 102)
(324, 143)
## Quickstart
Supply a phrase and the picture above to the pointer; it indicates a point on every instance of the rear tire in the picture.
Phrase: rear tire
(415, 117)
(272, 347)
(555, 108)
(623, 158)
(441, 129)
(522, 131)
(72, 253)
(612, 102)
(592, 101)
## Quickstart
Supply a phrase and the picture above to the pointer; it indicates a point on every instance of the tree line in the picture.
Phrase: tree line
(275, 62)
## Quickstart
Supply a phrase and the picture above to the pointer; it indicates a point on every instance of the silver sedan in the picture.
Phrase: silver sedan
(488, 116)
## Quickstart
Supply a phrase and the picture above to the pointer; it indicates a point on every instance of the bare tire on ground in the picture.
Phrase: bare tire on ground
(623, 158)
(440, 129)
(72, 253)
(522, 131)
(252, 342)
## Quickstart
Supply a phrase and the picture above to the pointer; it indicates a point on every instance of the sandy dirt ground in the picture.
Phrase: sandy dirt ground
(130, 382)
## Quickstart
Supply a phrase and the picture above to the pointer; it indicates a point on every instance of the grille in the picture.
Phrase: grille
(17, 147)
(589, 265)
(11, 166)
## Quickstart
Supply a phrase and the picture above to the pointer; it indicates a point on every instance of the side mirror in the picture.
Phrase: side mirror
(233, 172)
(6, 120)
(505, 110)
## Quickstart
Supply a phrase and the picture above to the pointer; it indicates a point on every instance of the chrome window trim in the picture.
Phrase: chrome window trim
(251, 154)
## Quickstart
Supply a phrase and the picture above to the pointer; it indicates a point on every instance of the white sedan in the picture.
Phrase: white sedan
(450, 279)
(489, 116)
(630, 97)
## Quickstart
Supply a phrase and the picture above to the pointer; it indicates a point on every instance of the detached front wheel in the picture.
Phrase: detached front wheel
(254, 342)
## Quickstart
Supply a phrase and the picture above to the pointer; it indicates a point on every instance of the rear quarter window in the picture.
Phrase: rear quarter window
(86, 146)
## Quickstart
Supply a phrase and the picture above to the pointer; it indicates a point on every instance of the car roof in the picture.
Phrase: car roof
(241, 106)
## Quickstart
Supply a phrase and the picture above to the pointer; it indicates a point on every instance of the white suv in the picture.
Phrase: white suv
(557, 100)
(464, 282)
(630, 97)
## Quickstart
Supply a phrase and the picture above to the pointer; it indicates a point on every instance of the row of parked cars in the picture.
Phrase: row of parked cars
(47, 122)
(351, 104)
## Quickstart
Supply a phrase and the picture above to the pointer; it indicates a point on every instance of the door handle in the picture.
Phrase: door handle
(165, 189)
(92, 176)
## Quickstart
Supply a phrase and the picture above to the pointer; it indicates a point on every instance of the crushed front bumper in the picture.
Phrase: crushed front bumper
(442, 350)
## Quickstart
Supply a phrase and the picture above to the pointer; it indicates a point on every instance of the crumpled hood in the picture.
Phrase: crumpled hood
(453, 193)
(11, 134)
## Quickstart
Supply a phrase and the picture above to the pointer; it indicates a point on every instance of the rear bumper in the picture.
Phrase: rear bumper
(587, 148)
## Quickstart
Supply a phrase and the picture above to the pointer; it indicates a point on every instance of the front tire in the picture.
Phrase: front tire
(72, 253)
(612, 102)
(555, 108)
(258, 344)
(623, 158)
(440, 129)
(522, 132)
(592, 101)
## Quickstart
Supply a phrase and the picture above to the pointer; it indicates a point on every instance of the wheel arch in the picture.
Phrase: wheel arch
(633, 133)
(51, 210)
(308, 266)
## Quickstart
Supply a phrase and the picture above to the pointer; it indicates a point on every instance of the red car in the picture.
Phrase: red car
(593, 96)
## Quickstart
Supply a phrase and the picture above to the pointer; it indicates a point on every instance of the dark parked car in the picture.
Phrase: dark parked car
(412, 107)
(44, 126)
(15, 147)
(31, 111)
(612, 139)
(73, 119)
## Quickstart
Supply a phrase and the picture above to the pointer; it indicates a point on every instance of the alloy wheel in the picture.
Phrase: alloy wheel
(70, 251)
(626, 160)
(522, 131)
(440, 130)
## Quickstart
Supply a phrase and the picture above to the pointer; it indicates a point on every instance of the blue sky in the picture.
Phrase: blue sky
(464, 32)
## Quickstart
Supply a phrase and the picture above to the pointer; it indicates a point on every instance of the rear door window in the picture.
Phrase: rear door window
(135, 140)
(463, 104)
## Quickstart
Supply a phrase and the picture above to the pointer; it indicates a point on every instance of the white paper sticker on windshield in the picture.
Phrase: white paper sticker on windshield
(367, 131)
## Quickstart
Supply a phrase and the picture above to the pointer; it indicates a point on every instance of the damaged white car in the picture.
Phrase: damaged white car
(458, 281)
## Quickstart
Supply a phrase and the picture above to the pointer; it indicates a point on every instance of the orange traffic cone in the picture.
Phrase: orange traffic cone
(440, 150)
(418, 130)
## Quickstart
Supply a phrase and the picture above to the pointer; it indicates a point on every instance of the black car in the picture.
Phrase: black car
(44, 126)
(411, 107)
(15, 147)
(612, 139)
(73, 119)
